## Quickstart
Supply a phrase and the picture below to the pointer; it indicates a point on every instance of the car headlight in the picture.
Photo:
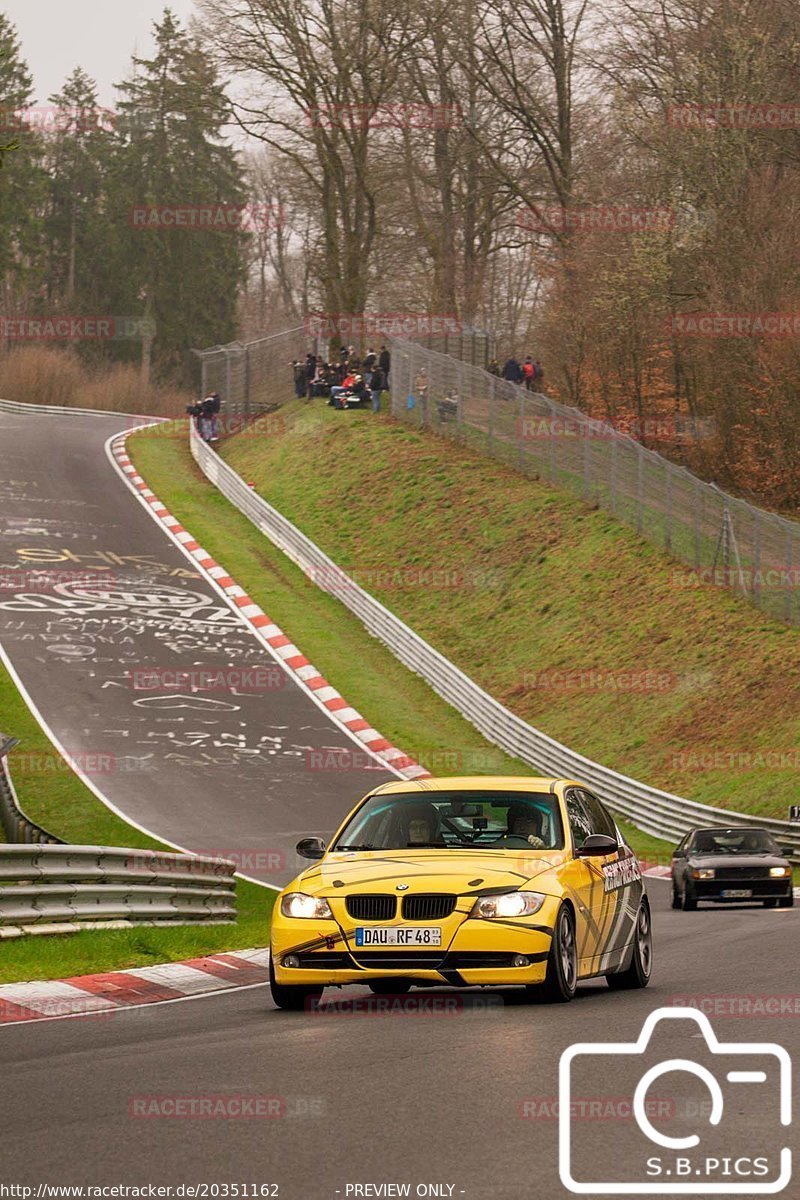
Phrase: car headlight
(703, 873)
(298, 904)
(780, 872)
(509, 904)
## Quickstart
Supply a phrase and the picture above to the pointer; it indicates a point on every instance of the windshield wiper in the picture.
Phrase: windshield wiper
(363, 846)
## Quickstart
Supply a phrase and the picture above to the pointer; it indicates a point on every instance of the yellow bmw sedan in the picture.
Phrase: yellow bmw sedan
(465, 882)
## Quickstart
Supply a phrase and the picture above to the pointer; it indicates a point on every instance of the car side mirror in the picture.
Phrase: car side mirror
(597, 845)
(679, 854)
(311, 847)
(788, 851)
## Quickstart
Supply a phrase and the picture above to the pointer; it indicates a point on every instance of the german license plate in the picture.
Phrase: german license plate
(398, 935)
(737, 893)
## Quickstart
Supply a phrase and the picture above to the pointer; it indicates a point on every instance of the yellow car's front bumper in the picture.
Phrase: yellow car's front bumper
(473, 952)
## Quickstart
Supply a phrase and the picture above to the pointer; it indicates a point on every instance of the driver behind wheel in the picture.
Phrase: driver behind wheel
(423, 826)
(526, 824)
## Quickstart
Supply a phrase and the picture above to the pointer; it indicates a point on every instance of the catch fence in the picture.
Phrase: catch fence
(720, 539)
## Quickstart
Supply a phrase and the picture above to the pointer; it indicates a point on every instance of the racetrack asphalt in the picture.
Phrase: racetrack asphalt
(229, 771)
(456, 1096)
(449, 1090)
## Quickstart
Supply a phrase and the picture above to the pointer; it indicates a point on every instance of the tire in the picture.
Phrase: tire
(676, 896)
(637, 975)
(688, 901)
(561, 980)
(387, 987)
(289, 997)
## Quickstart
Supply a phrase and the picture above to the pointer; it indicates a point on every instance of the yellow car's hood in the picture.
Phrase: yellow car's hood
(425, 871)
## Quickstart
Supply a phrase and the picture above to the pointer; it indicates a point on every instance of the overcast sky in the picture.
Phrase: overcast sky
(98, 35)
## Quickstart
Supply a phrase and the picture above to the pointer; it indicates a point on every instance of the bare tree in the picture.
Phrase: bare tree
(316, 72)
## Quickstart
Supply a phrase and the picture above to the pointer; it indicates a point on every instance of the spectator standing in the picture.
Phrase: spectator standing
(528, 372)
(512, 371)
(538, 373)
(216, 406)
(377, 385)
(385, 364)
(299, 379)
(311, 372)
(369, 366)
(494, 367)
(207, 418)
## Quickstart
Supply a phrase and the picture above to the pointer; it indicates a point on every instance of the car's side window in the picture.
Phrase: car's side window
(579, 820)
(601, 821)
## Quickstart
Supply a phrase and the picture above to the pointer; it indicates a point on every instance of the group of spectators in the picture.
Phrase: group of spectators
(347, 382)
(529, 372)
(206, 416)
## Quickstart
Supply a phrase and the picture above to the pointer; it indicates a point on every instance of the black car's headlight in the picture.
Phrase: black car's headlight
(780, 872)
(703, 873)
(508, 904)
(298, 904)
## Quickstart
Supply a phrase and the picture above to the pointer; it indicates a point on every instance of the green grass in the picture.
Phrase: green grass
(397, 702)
(554, 583)
(45, 956)
(59, 801)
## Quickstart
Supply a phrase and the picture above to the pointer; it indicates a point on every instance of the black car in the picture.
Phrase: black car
(728, 866)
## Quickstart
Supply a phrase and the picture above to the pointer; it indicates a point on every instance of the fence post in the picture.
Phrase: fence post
(521, 430)
(668, 505)
(755, 589)
(492, 398)
(586, 429)
(639, 489)
(787, 587)
(247, 380)
(698, 487)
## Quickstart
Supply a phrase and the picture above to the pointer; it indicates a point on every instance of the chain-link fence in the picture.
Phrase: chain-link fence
(722, 540)
(254, 377)
(474, 346)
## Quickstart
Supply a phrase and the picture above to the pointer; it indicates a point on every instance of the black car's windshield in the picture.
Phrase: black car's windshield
(733, 841)
(455, 820)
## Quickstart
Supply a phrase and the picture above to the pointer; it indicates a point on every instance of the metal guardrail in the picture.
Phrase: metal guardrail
(66, 410)
(652, 810)
(47, 889)
(15, 822)
(253, 377)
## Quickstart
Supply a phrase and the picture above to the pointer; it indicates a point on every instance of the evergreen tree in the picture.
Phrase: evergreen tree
(172, 154)
(76, 226)
(22, 180)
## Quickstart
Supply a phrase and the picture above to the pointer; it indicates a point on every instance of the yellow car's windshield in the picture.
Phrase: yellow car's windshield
(456, 820)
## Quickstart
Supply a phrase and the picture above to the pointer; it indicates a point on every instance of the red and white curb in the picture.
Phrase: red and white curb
(655, 870)
(282, 648)
(102, 995)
